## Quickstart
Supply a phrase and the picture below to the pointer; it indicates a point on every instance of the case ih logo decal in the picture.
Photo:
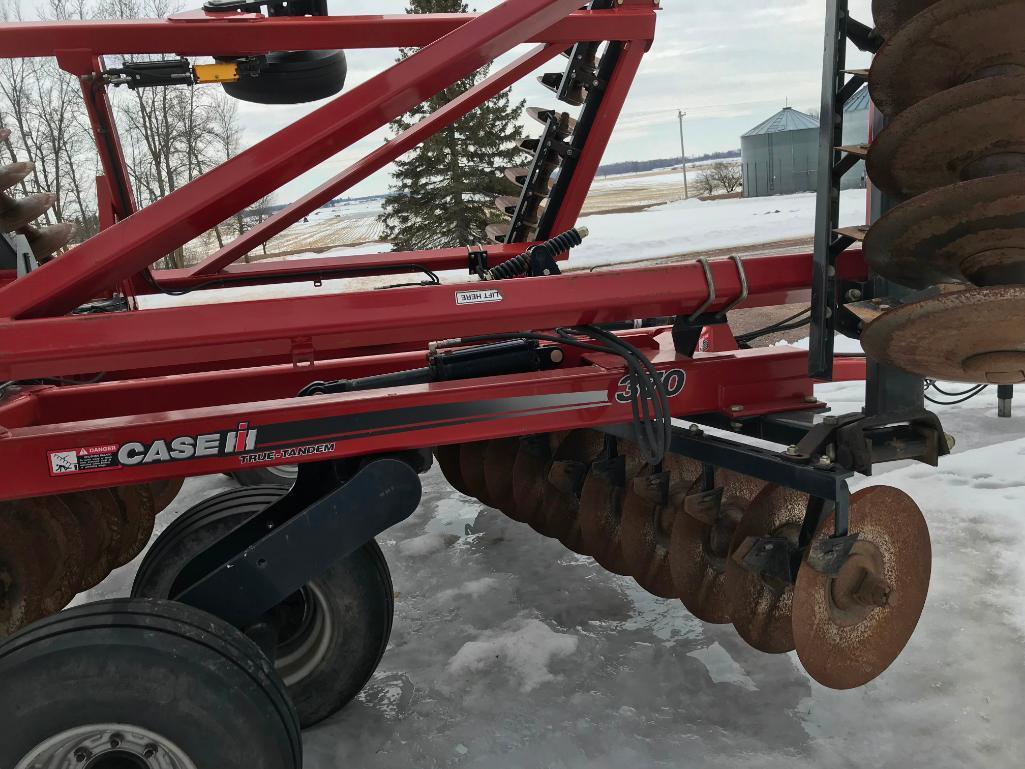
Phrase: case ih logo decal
(94, 458)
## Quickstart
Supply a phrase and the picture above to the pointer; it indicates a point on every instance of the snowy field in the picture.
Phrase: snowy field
(509, 652)
(660, 231)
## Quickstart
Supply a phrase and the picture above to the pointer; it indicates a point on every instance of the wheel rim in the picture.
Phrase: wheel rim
(107, 746)
(285, 472)
(305, 643)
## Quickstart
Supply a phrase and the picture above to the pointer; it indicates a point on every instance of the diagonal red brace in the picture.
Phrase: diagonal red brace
(135, 243)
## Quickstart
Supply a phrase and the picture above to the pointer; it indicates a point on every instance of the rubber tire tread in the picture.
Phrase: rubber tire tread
(314, 706)
(49, 687)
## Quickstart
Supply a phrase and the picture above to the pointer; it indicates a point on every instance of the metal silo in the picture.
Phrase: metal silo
(780, 156)
(855, 131)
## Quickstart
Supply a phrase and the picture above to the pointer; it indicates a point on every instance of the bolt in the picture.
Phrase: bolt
(82, 755)
(854, 295)
(116, 740)
(149, 751)
(811, 399)
(736, 426)
(831, 420)
(792, 451)
(825, 461)
(736, 409)
(694, 430)
(951, 441)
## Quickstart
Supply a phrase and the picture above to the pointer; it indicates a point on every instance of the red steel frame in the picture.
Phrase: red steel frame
(230, 371)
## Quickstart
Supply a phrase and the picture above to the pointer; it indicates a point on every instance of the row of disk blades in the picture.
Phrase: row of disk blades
(53, 548)
(522, 213)
(683, 533)
(950, 80)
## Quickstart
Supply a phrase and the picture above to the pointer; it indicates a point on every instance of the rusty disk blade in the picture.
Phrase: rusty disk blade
(499, 233)
(499, 459)
(529, 477)
(851, 628)
(560, 500)
(969, 232)
(13, 173)
(891, 15)
(567, 125)
(99, 530)
(698, 551)
(949, 43)
(761, 612)
(139, 515)
(15, 214)
(164, 492)
(642, 541)
(46, 241)
(448, 461)
(967, 336)
(61, 549)
(23, 574)
(471, 467)
(600, 512)
(968, 132)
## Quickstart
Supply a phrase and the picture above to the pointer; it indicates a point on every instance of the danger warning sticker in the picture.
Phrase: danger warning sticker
(88, 459)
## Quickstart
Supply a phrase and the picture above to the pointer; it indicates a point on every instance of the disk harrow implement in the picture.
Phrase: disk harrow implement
(548, 396)
(950, 80)
(731, 547)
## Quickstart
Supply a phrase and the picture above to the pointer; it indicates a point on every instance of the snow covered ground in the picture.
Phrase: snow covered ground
(661, 231)
(509, 651)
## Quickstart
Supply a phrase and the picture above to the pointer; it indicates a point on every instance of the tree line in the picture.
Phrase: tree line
(640, 166)
(169, 136)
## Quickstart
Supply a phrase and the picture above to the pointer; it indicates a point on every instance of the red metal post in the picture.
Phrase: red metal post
(137, 242)
(377, 160)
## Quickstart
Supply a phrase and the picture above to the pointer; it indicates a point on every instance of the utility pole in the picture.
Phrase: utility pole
(683, 154)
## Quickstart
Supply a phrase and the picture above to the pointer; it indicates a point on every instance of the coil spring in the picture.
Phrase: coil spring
(519, 265)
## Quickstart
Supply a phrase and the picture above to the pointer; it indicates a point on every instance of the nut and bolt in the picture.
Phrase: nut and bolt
(82, 755)
(149, 751)
(825, 461)
(736, 409)
(854, 295)
(830, 420)
(116, 740)
(792, 451)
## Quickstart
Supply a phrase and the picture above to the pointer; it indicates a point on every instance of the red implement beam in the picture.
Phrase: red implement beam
(362, 423)
(377, 159)
(135, 243)
(308, 327)
(324, 267)
(241, 35)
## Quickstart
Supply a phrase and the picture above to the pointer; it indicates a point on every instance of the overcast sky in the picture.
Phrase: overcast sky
(729, 64)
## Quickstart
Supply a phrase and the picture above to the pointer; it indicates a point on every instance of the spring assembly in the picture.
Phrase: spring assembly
(539, 254)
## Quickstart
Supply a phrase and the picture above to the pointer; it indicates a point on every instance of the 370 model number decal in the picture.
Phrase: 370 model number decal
(674, 380)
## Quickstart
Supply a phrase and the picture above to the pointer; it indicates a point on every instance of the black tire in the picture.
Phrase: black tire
(137, 673)
(332, 634)
(293, 77)
(267, 476)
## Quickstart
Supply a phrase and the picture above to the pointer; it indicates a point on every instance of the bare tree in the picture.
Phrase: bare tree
(707, 183)
(727, 175)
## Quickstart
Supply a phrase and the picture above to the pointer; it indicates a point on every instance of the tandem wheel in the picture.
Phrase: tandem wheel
(142, 684)
(330, 635)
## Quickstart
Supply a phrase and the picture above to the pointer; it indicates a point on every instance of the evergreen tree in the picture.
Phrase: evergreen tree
(443, 192)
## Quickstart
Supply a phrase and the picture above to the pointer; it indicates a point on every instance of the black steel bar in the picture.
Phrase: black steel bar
(829, 483)
(298, 538)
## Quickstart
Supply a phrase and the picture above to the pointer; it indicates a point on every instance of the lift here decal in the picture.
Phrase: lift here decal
(90, 459)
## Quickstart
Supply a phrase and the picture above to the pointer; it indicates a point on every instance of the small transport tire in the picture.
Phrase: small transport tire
(293, 77)
(284, 475)
(331, 634)
(142, 683)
